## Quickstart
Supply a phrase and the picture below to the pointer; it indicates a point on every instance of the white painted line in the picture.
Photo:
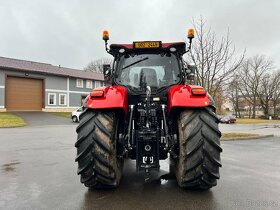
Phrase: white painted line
(61, 107)
(54, 90)
(65, 91)
(68, 100)
(79, 92)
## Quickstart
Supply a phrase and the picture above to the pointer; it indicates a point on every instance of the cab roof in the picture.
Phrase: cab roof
(165, 47)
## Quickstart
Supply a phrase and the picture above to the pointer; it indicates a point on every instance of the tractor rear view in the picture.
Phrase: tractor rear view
(148, 112)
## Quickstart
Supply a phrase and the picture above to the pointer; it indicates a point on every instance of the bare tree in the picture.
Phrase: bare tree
(269, 86)
(97, 65)
(219, 101)
(234, 95)
(215, 59)
(251, 74)
(276, 93)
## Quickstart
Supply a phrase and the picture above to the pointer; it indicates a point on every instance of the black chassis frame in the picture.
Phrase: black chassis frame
(148, 134)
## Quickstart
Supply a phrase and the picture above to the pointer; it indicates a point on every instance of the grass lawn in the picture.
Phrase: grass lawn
(10, 120)
(238, 135)
(62, 114)
(252, 121)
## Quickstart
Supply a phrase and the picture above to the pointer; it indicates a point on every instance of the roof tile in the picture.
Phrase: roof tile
(31, 66)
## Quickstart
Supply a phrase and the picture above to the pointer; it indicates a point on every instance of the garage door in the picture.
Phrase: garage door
(24, 94)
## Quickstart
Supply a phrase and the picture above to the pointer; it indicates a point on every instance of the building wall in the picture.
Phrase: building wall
(73, 85)
(75, 99)
(56, 85)
(56, 82)
(2, 97)
(2, 77)
(2, 89)
(76, 93)
(73, 93)
(66, 87)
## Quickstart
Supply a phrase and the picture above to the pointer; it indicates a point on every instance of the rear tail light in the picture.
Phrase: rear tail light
(198, 91)
(97, 93)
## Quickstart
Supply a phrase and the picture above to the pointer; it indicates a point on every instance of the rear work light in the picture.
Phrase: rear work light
(198, 92)
(97, 93)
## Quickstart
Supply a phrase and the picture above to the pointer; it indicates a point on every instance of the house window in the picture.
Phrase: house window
(79, 83)
(89, 84)
(62, 99)
(52, 98)
(97, 84)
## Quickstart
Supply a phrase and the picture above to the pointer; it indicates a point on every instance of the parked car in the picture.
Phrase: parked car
(228, 119)
(75, 116)
(220, 117)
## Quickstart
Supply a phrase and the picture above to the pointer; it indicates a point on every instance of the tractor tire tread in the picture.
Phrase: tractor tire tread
(98, 165)
(199, 149)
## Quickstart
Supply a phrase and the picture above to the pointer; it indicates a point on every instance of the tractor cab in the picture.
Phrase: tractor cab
(147, 64)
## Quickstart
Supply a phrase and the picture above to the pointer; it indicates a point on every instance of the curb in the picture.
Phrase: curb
(247, 138)
(14, 126)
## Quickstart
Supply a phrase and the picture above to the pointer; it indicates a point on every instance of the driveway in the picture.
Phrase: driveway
(37, 171)
(42, 118)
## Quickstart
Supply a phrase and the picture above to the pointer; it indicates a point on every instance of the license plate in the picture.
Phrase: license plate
(147, 44)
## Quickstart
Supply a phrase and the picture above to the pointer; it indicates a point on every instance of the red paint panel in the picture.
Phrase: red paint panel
(181, 96)
(114, 97)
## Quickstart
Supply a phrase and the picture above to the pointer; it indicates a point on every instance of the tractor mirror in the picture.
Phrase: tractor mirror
(106, 72)
(106, 69)
(190, 71)
(192, 68)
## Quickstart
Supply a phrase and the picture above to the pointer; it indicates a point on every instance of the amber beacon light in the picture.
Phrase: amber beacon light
(191, 33)
(105, 35)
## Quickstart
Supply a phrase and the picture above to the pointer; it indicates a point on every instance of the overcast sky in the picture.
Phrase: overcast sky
(69, 32)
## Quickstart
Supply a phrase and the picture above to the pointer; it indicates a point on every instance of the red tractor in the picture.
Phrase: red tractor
(148, 112)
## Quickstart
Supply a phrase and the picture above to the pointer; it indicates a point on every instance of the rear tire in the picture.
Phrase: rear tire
(199, 149)
(98, 164)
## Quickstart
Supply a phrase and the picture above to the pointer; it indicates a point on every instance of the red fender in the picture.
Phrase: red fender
(181, 96)
(115, 97)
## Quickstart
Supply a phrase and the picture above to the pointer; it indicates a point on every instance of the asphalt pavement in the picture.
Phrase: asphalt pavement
(38, 172)
(42, 118)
